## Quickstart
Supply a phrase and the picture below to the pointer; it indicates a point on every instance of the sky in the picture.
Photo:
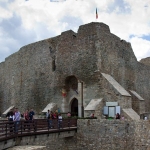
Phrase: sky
(27, 21)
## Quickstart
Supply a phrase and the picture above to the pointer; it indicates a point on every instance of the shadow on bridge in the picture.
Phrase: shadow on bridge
(11, 130)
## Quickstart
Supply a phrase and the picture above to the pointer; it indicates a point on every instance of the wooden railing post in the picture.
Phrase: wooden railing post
(48, 124)
(21, 126)
(69, 123)
(35, 125)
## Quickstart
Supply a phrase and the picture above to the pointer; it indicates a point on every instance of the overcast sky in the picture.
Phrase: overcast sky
(26, 21)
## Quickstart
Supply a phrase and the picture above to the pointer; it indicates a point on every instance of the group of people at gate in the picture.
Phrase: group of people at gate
(50, 115)
(14, 116)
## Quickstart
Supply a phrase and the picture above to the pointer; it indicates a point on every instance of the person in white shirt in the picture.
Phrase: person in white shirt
(145, 118)
(47, 114)
(59, 121)
(16, 120)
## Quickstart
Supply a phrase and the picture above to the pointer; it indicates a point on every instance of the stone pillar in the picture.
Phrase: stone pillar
(79, 109)
(80, 100)
(64, 105)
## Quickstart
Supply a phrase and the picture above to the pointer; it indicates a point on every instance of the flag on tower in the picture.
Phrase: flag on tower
(96, 14)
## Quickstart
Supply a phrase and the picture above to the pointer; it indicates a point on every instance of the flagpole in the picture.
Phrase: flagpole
(96, 15)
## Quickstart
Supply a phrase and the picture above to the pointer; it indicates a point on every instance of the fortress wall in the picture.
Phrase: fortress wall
(2, 82)
(92, 29)
(113, 134)
(36, 66)
(117, 59)
(35, 75)
(29, 81)
(142, 84)
(76, 56)
(111, 94)
(145, 61)
(97, 134)
(12, 80)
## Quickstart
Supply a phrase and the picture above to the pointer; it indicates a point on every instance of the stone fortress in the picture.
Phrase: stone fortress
(91, 71)
(90, 64)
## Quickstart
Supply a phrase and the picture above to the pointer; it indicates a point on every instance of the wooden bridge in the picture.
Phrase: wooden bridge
(10, 130)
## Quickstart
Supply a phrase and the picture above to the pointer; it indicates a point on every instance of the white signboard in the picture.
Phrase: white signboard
(117, 109)
(105, 110)
(111, 112)
(111, 103)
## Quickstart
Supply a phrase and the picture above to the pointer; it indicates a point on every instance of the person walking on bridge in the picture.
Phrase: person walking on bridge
(16, 120)
(31, 114)
(59, 121)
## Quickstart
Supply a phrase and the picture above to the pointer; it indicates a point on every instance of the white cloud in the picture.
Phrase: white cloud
(142, 47)
(4, 14)
(40, 19)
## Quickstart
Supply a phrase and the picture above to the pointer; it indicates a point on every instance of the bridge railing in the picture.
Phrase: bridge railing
(11, 129)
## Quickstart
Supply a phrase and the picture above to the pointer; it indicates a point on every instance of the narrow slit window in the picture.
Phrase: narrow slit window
(53, 65)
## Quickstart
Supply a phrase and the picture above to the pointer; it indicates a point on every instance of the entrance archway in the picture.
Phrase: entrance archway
(74, 107)
(71, 82)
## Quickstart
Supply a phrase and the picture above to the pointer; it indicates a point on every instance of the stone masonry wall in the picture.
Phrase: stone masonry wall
(142, 84)
(142, 135)
(110, 94)
(27, 74)
(95, 134)
(105, 134)
(35, 75)
(113, 134)
(116, 58)
(1, 86)
(138, 105)
(145, 61)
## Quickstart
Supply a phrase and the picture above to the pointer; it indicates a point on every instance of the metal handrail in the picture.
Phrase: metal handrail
(12, 129)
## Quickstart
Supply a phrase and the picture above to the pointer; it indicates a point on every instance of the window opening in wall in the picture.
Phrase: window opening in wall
(71, 82)
(50, 49)
(53, 65)
(74, 35)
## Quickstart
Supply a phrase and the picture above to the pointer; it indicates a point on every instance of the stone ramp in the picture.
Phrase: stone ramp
(131, 113)
(136, 95)
(115, 84)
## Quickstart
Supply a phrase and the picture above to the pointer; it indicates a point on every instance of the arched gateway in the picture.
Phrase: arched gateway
(74, 107)
(72, 96)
